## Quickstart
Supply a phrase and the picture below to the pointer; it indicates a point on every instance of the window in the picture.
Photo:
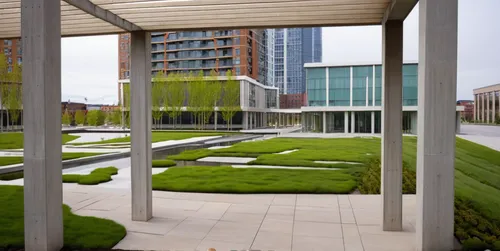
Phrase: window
(237, 51)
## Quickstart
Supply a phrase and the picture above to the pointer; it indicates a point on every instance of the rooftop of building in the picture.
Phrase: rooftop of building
(358, 63)
(488, 88)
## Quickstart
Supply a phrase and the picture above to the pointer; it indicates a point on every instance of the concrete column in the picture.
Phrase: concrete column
(493, 114)
(140, 125)
(488, 107)
(482, 107)
(346, 122)
(373, 122)
(392, 135)
(324, 122)
(475, 107)
(437, 81)
(244, 121)
(215, 120)
(250, 120)
(353, 122)
(279, 119)
(255, 124)
(41, 42)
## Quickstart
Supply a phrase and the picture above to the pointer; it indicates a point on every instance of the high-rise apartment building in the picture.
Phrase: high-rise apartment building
(12, 50)
(192, 51)
(291, 49)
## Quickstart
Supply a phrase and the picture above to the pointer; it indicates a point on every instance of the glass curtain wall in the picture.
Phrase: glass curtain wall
(316, 87)
(362, 77)
(378, 85)
(410, 84)
(313, 122)
(335, 122)
(363, 122)
(339, 86)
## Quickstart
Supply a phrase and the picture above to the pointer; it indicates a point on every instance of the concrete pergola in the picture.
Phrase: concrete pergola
(41, 24)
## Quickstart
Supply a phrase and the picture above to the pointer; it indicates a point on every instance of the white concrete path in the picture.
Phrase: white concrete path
(194, 221)
(485, 135)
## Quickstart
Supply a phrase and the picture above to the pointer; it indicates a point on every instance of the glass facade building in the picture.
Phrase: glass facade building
(348, 98)
(355, 85)
(291, 49)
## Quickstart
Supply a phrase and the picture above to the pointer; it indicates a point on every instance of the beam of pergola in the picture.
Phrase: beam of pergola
(105, 15)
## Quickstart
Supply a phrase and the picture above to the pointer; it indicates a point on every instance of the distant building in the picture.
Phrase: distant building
(348, 98)
(12, 50)
(91, 107)
(486, 104)
(293, 101)
(293, 48)
(110, 108)
(468, 113)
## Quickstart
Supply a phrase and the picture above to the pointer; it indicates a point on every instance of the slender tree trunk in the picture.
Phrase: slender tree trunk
(8, 120)
(1, 120)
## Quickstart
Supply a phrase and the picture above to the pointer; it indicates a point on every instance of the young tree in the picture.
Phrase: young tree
(196, 89)
(176, 94)
(14, 103)
(212, 96)
(80, 117)
(66, 118)
(230, 99)
(158, 97)
(4, 87)
(115, 117)
(126, 104)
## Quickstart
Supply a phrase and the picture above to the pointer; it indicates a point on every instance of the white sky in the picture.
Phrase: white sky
(90, 64)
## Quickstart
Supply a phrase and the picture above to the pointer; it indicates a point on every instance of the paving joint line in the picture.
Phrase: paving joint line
(255, 237)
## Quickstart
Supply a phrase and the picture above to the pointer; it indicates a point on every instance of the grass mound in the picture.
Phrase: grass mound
(253, 180)
(14, 140)
(99, 175)
(79, 231)
(163, 163)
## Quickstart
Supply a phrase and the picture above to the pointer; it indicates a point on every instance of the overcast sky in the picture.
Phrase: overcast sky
(90, 64)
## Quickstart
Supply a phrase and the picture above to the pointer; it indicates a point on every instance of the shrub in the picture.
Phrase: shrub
(99, 175)
(163, 163)
(369, 180)
(474, 244)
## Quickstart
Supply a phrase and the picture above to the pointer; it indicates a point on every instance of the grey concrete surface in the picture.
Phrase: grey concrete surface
(482, 134)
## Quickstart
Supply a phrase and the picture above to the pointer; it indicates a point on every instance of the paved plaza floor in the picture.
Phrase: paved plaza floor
(487, 135)
(194, 221)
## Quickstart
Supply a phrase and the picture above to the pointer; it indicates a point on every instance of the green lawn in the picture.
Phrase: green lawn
(14, 140)
(477, 168)
(159, 136)
(65, 156)
(253, 180)
(97, 176)
(79, 231)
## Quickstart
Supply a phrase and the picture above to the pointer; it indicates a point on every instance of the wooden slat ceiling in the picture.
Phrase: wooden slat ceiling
(174, 15)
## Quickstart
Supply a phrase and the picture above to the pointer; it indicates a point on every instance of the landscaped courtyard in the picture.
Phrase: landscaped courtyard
(327, 166)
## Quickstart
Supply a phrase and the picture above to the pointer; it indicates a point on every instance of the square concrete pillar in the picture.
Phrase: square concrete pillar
(373, 122)
(493, 111)
(392, 120)
(346, 122)
(488, 107)
(324, 122)
(41, 42)
(244, 122)
(140, 125)
(353, 122)
(437, 82)
(483, 118)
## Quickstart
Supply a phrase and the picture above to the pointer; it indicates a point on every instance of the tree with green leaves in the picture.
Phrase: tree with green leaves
(175, 95)
(196, 92)
(80, 117)
(4, 87)
(230, 99)
(95, 118)
(15, 102)
(158, 97)
(126, 104)
(66, 118)
(212, 95)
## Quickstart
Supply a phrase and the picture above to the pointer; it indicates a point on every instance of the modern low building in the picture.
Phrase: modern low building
(348, 98)
(486, 104)
(258, 104)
